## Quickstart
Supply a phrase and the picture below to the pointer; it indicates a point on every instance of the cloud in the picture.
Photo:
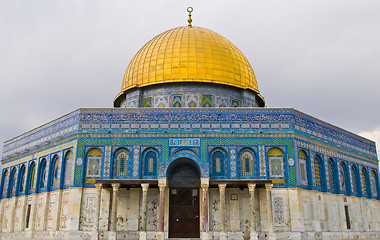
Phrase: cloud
(373, 135)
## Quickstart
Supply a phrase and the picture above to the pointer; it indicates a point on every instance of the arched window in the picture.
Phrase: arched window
(218, 158)
(41, 181)
(31, 177)
(94, 162)
(150, 163)
(343, 178)
(317, 171)
(121, 163)
(12, 183)
(21, 179)
(303, 169)
(364, 181)
(54, 172)
(5, 180)
(354, 177)
(247, 160)
(276, 163)
(331, 175)
(373, 184)
(68, 166)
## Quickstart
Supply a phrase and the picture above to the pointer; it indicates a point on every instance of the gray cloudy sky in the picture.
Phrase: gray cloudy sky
(321, 57)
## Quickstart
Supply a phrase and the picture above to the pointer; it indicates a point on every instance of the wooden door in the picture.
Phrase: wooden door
(184, 213)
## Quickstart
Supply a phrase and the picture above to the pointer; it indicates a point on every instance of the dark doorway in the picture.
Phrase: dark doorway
(184, 183)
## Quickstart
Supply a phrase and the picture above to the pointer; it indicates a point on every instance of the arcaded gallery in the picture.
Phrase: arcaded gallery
(190, 150)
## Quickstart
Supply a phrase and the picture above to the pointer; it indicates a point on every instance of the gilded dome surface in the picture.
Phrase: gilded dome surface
(189, 54)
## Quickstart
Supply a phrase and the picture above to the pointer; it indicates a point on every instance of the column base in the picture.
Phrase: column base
(160, 236)
(253, 236)
(223, 236)
(271, 236)
(142, 236)
(205, 236)
(112, 235)
(94, 236)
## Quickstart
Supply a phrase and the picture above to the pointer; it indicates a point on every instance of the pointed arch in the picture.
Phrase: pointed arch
(343, 183)
(364, 182)
(53, 173)
(276, 163)
(68, 169)
(331, 175)
(5, 181)
(12, 182)
(149, 163)
(121, 161)
(355, 181)
(31, 177)
(374, 184)
(41, 177)
(247, 163)
(302, 158)
(93, 163)
(218, 159)
(21, 179)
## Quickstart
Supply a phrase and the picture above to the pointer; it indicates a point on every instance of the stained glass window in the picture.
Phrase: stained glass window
(12, 183)
(42, 177)
(246, 164)
(364, 182)
(342, 178)
(122, 163)
(218, 159)
(373, 184)
(317, 170)
(150, 164)
(21, 179)
(54, 172)
(331, 175)
(354, 177)
(5, 183)
(32, 174)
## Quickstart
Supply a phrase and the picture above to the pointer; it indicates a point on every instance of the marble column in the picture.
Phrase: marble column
(271, 235)
(204, 231)
(145, 187)
(115, 191)
(222, 207)
(95, 233)
(161, 209)
(251, 188)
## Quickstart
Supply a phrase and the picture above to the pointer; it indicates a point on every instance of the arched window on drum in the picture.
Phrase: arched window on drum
(364, 182)
(68, 166)
(5, 181)
(247, 163)
(121, 163)
(331, 176)
(276, 163)
(218, 157)
(303, 168)
(94, 163)
(12, 182)
(150, 159)
(343, 178)
(374, 184)
(21, 179)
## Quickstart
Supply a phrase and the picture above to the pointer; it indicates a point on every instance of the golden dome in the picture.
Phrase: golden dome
(189, 54)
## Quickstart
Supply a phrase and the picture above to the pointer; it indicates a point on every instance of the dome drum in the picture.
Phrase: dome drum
(189, 95)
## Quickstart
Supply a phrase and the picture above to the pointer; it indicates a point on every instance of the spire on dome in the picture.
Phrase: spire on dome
(189, 10)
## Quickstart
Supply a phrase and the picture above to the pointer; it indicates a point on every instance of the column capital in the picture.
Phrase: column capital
(145, 186)
(205, 183)
(222, 187)
(162, 182)
(115, 186)
(98, 186)
(251, 187)
(268, 187)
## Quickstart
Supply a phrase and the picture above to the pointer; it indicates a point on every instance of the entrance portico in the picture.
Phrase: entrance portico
(187, 210)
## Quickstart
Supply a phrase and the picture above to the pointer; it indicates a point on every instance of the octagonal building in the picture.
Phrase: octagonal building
(189, 151)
